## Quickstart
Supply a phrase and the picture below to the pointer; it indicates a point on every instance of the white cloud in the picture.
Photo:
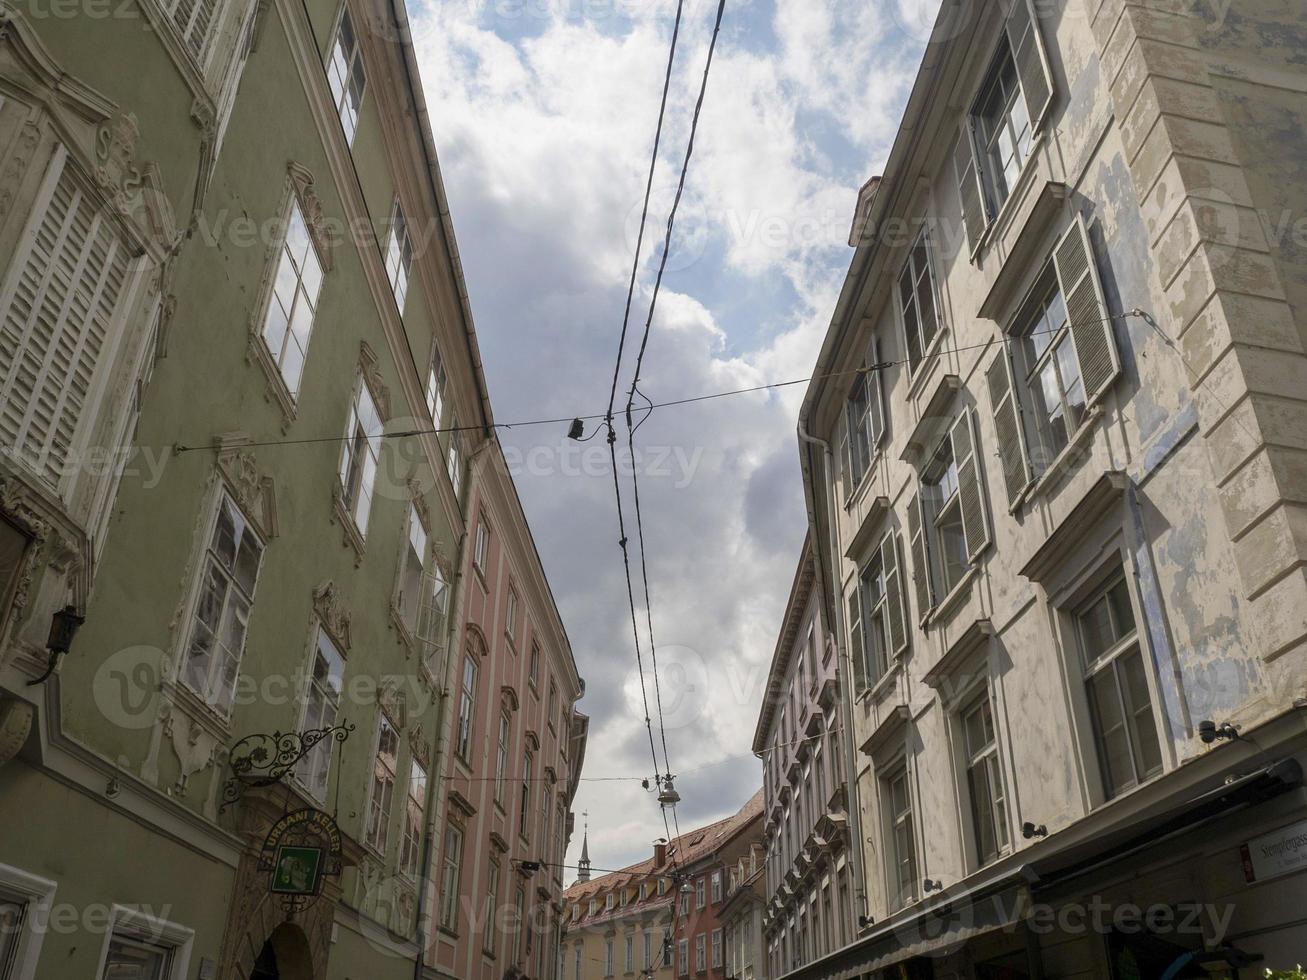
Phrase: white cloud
(544, 132)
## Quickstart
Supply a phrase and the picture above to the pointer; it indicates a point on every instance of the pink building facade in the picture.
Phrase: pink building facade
(512, 749)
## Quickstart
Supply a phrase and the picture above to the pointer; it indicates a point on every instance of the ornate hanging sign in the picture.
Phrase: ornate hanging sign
(300, 851)
(262, 760)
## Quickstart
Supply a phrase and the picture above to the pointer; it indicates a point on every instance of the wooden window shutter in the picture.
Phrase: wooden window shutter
(1031, 60)
(59, 305)
(1086, 310)
(1006, 406)
(971, 487)
(975, 212)
(894, 600)
(856, 639)
(920, 555)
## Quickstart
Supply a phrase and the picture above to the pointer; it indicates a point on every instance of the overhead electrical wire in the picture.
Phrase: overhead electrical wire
(179, 448)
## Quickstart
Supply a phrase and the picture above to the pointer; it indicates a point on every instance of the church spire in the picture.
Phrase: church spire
(583, 865)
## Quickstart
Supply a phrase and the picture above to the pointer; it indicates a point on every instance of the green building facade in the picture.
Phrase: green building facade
(229, 279)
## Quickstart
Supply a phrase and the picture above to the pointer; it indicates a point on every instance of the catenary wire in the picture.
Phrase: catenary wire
(179, 448)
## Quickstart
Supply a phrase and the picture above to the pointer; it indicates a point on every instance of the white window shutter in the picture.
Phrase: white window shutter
(975, 212)
(1031, 60)
(59, 305)
(856, 653)
(971, 487)
(1006, 406)
(917, 537)
(894, 601)
(1086, 310)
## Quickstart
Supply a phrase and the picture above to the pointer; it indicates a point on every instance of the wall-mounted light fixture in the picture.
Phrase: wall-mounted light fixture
(931, 885)
(63, 627)
(1209, 731)
(1029, 830)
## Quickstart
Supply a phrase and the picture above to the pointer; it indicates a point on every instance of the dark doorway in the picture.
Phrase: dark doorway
(265, 967)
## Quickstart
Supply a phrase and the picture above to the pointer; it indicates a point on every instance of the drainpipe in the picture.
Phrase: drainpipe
(843, 663)
(435, 795)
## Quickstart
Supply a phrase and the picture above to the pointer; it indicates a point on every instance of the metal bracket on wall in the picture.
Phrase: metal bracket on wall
(264, 760)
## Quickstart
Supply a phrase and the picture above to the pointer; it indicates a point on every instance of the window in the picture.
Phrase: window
(630, 954)
(699, 893)
(288, 321)
(58, 308)
(609, 901)
(141, 947)
(608, 957)
(454, 456)
(947, 522)
(193, 21)
(25, 902)
(1052, 375)
(647, 961)
(1061, 360)
(399, 255)
(345, 76)
(481, 548)
(491, 931)
(523, 821)
(984, 780)
(519, 905)
(510, 616)
(321, 702)
(1116, 682)
(998, 131)
(685, 903)
(1002, 128)
(716, 948)
(533, 664)
(411, 846)
(501, 756)
(383, 784)
(917, 303)
(700, 953)
(897, 794)
(877, 619)
(450, 873)
(467, 707)
(437, 382)
(578, 961)
(130, 957)
(412, 580)
(358, 460)
(716, 887)
(683, 957)
(229, 572)
(553, 699)
(864, 423)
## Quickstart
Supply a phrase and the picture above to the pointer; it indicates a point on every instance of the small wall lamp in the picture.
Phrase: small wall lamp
(1029, 830)
(63, 627)
(1209, 731)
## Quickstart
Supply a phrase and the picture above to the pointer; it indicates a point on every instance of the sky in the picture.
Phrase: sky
(544, 113)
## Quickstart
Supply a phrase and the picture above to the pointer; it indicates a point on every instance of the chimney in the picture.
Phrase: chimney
(660, 855)
(866, 197)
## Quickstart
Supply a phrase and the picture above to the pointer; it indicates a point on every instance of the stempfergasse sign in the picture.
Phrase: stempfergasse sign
(1277, 853)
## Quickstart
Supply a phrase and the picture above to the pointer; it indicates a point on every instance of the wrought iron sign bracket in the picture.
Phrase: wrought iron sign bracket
(265, 760)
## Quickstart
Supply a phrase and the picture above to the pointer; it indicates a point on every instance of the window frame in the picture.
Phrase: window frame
(353, 61)
(282, 255)
(307, 777)
(1125, 645)
(399, 255)
(990, 755)
(199, 577)
(467, 698)
(415, 808)
(35, 895)
(381, 794)
(451, 875)
(356, 477)
(902, 885)
(137, 927)
(928, 273)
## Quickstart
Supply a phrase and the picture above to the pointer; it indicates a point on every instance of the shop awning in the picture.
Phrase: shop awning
(944, 921)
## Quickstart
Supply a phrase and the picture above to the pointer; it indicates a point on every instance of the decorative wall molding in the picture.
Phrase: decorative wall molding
(15, 724)
(370, 367)
(255, 493)
(301, 180)
(333, 614)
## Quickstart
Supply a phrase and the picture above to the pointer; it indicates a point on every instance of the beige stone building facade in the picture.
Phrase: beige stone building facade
(1055, 455)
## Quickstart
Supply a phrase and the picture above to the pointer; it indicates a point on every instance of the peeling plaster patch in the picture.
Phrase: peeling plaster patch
(1167, 441)
(1150, 597)
(1086, 114)
(1218, 687)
